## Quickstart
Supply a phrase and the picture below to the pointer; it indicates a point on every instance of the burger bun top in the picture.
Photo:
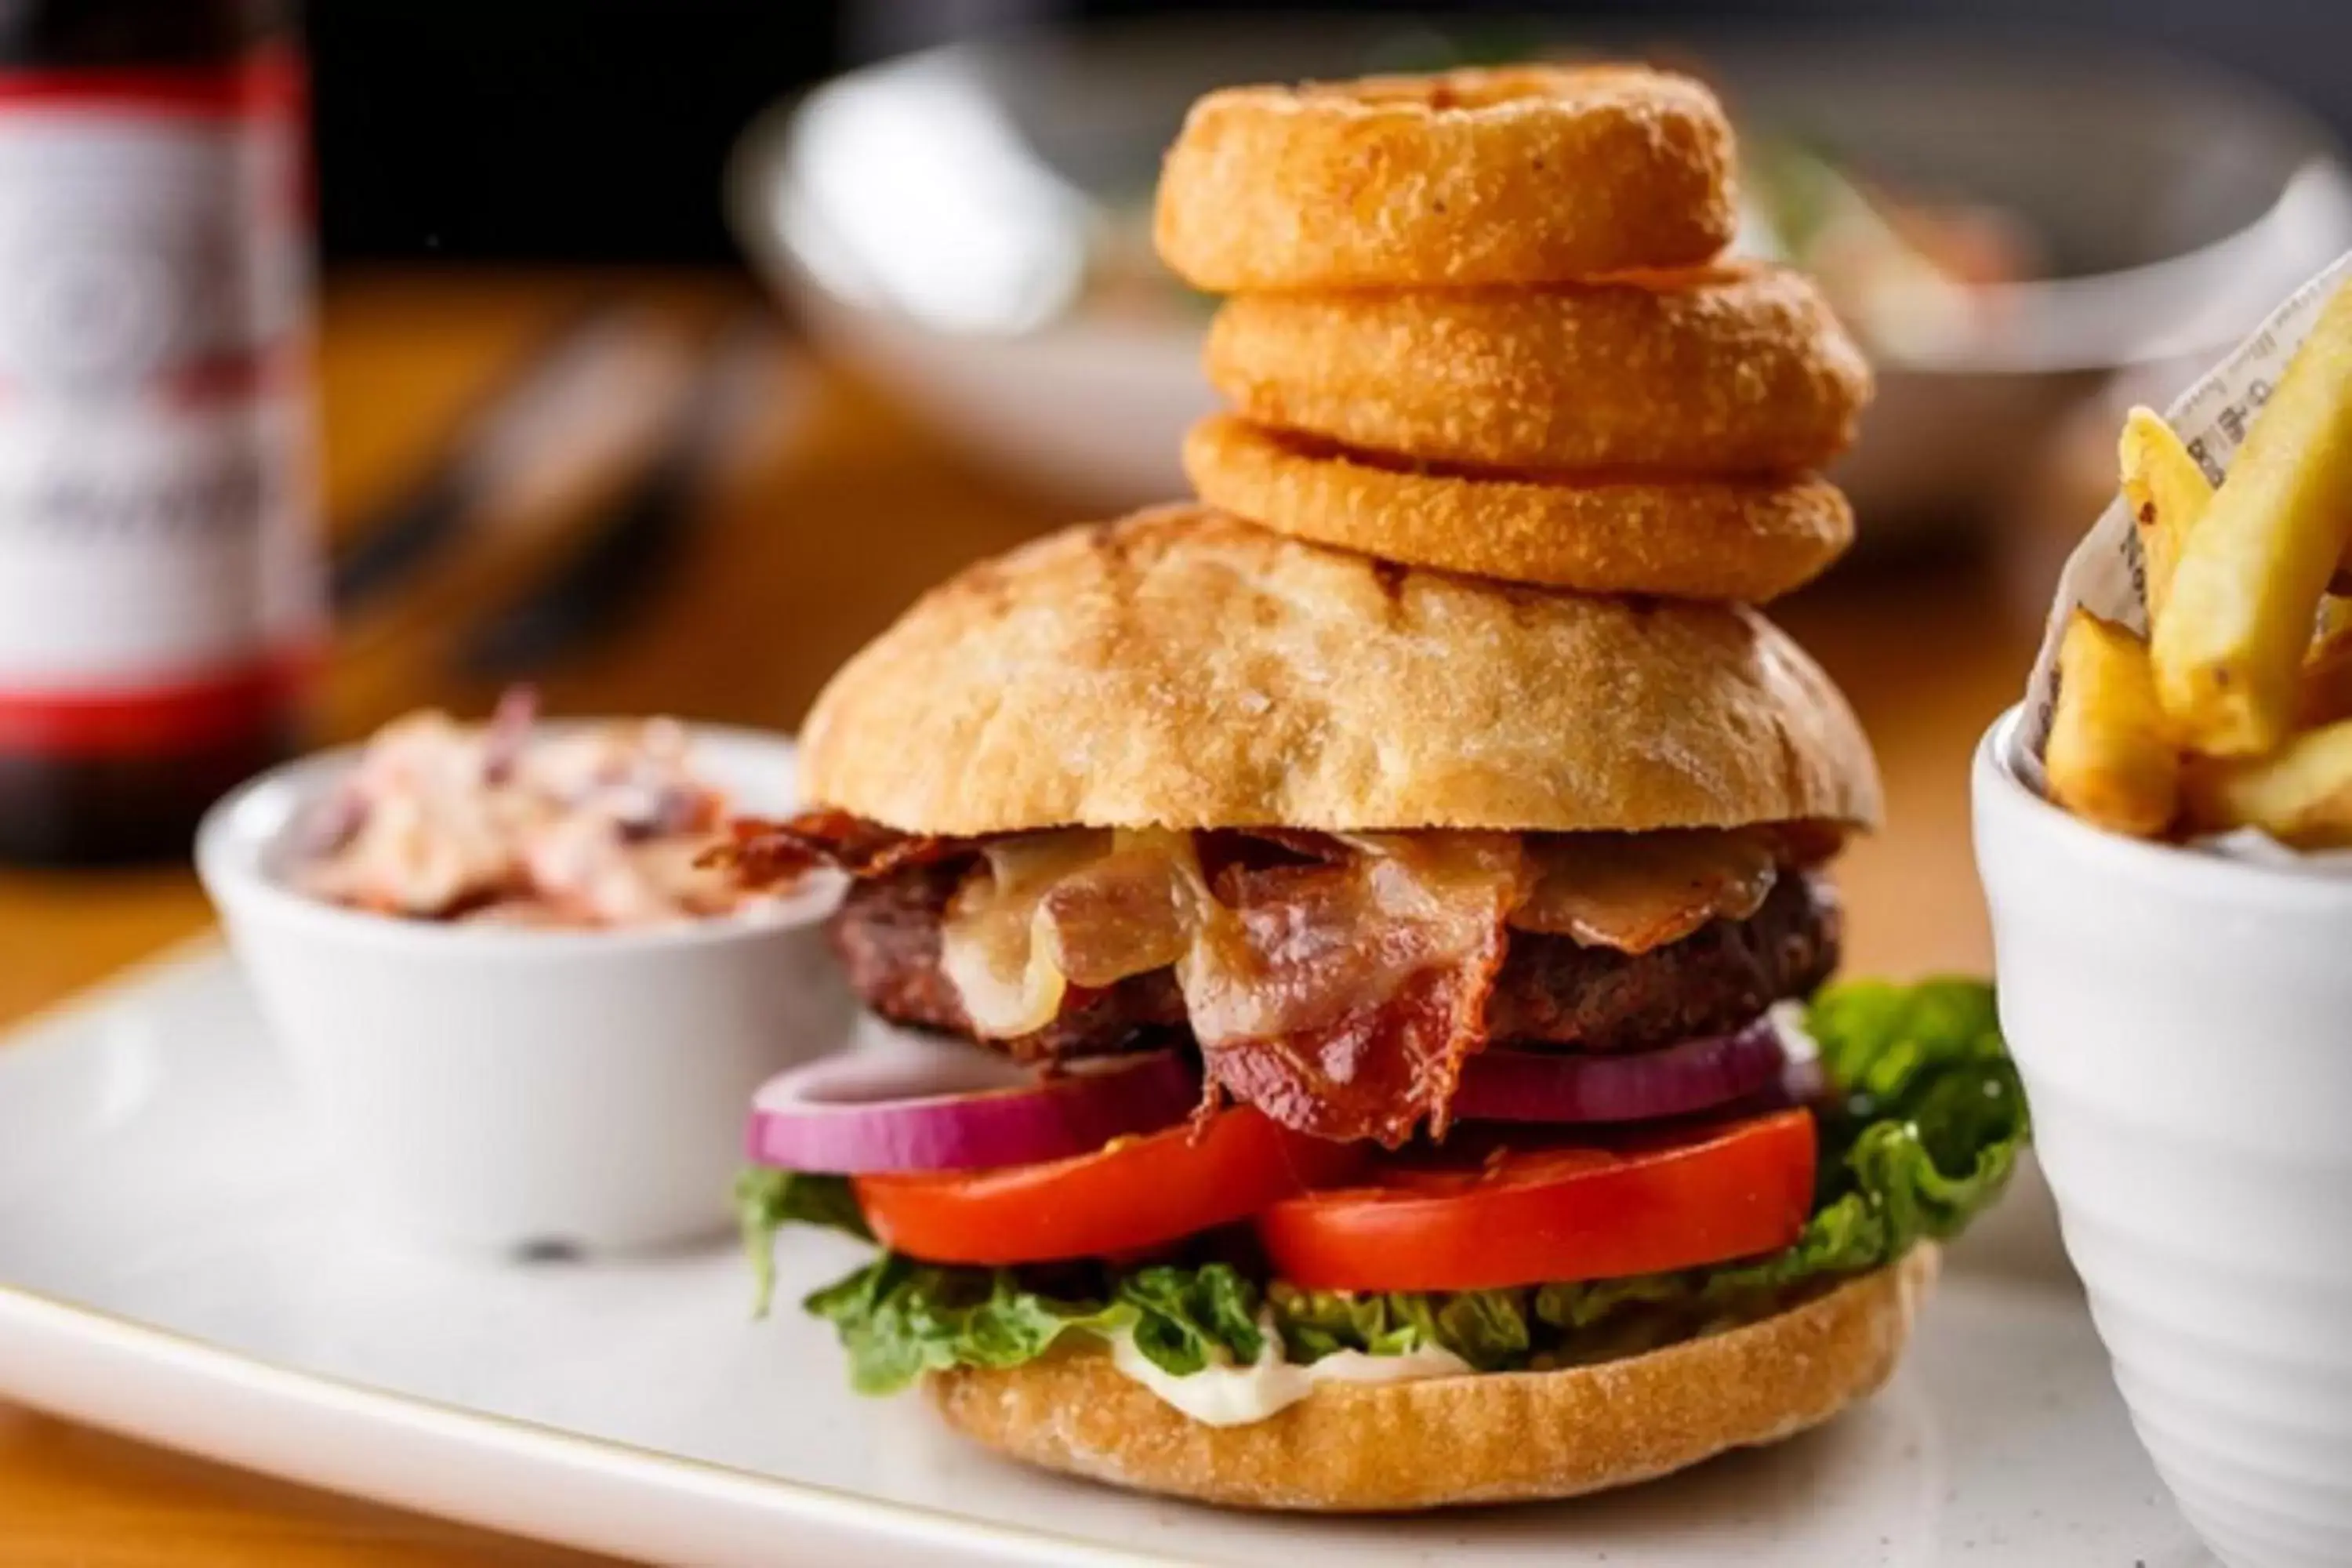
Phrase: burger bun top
(1181, 668)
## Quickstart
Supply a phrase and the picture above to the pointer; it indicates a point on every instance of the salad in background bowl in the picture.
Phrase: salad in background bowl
(594, 826)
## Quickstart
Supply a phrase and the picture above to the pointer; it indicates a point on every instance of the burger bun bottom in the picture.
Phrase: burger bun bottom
(1444, 1442)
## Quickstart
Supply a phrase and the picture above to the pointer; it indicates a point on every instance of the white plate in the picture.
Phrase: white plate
(170, 1267)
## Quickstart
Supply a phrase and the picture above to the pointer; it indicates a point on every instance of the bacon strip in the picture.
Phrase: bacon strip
(1378, 1070)
(764, 853)
(1338, 983)
(1342, 999)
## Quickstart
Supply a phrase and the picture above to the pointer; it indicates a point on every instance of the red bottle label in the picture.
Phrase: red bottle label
(160, 579)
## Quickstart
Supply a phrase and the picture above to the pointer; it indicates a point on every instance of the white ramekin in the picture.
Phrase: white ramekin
(495, 1089)
(2184, 1026)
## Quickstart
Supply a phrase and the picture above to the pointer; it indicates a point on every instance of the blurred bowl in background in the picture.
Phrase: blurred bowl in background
(969, 227)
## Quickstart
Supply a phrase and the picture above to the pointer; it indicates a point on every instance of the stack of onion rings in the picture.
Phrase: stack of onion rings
(1481, 324)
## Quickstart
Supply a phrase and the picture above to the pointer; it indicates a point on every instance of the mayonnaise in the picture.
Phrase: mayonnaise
(1237, 1396)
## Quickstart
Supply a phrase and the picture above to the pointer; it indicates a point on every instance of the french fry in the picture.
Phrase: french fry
(2328, 667)
(2166, 492)
(2111, 757)
(2228, 649)
(2300, 794)
(2326, 692)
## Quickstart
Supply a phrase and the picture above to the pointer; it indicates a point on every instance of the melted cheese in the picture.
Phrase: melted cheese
(1636, 892)
(1078, 906)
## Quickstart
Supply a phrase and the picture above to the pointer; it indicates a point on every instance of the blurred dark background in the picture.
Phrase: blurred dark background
(593, 130)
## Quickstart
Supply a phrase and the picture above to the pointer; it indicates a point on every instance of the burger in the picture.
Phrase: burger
(1352, 1035)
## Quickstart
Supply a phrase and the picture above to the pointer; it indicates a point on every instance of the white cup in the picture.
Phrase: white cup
(2183, 1024)
(495, 1088)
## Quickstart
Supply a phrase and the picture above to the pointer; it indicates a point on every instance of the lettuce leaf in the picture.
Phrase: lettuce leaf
(898, 1318)
(1931, 1120)
(1927, 1126)
(1491, 1330)
(1186, 1318)
(767, 1200)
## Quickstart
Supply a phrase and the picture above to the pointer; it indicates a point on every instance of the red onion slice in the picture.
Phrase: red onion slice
(1803, 1079)
(939, 1106)
(1507, 1085)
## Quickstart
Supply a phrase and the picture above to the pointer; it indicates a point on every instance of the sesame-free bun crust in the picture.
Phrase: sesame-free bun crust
(1181, 668)
(1502, 1437)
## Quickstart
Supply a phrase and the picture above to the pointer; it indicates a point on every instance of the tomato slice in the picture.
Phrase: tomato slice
(1523, 1215)
(1129, 1195)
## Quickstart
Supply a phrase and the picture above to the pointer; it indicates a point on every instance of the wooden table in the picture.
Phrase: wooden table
(839, 511)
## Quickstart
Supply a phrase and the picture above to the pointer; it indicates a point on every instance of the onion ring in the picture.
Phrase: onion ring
(1740, 370)
(1749, 540)
(1523, 174)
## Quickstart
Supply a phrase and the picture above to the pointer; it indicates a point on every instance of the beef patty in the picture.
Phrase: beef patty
(1550, 991)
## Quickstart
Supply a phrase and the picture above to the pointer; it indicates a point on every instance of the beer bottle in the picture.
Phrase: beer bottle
(160, 591)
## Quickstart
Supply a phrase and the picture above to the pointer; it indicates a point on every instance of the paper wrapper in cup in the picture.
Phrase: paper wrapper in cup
(2105, 575)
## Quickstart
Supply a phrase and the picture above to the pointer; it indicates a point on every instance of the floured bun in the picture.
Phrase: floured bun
(1500, 1438)
(1181, 668)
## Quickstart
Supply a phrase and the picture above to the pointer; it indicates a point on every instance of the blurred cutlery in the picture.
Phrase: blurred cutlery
(626, 556)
